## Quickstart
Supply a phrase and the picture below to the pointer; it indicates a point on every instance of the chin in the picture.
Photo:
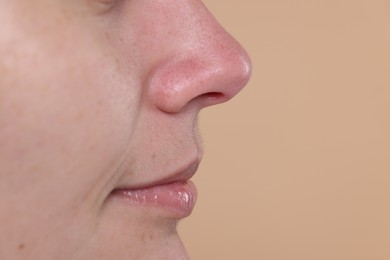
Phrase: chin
(143, 246)
(132, 233)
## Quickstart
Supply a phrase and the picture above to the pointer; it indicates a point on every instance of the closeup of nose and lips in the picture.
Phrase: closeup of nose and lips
(208, 67)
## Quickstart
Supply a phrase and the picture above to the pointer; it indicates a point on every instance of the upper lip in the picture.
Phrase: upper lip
(181, 175)
(178, 176)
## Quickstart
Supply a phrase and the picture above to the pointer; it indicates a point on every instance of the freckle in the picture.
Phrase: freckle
(21, 246)
(151, 236)
(92, 147)
(143, 237)
(107, 35)
(154, 156)
(18, 111)
(79, 117)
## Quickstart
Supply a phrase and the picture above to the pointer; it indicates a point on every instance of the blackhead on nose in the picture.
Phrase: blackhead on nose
(206, 67)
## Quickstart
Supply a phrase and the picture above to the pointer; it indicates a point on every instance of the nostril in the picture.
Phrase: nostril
(212, 95)
(212, 98)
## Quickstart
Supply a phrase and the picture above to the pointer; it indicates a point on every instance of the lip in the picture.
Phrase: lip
(174, 199)
(172, 195)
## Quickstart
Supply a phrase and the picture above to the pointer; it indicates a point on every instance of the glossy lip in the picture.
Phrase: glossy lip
(175, 200)
(174, 195)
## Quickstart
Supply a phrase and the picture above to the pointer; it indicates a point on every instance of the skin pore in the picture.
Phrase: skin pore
(97, 95)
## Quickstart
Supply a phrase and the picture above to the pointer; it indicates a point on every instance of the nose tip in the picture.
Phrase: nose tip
(200, 79)
(209, 67)
(238, 70)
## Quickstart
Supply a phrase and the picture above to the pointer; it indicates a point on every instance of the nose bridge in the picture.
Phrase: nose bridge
(208, 66)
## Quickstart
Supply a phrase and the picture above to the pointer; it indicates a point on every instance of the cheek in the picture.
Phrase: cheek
(62, 119)
(64, 128)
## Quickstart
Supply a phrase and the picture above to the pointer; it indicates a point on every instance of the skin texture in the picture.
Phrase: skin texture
(94, 95)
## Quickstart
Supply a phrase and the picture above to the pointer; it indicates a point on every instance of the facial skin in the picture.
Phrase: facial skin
(97, 95)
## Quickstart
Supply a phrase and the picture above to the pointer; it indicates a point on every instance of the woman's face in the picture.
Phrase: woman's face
(98, 135)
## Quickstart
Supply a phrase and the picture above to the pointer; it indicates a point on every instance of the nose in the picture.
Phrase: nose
(206, 67)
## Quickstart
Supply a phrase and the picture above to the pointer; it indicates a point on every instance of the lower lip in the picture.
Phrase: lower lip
(176, 199)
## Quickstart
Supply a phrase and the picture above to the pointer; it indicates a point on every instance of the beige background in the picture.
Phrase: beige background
(298, 165)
